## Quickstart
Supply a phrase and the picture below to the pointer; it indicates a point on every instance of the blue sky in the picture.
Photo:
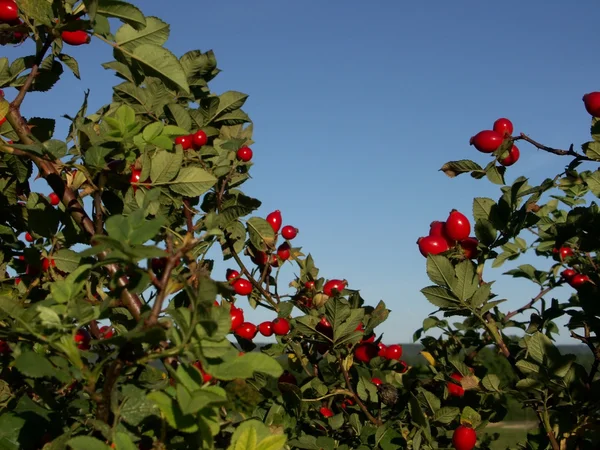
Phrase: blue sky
(356, 105)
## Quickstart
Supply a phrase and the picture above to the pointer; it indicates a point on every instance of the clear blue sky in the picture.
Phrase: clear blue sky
(356, 105)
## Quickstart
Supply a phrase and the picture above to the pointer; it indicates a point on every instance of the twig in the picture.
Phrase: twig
(187, 212)
(98, 216)
(554, 151)
(528, 305)
(359, 402)
(111, 378)
(544, 419)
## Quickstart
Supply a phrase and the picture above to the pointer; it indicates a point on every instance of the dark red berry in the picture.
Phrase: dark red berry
(9, 12)
(455, 390)
(513, 157)
(433, 245)
(199, 139)
(78, 37)
(469, 247)
(592, 103)
(242, 287)
(487, 141)
(464, 438)
(503, 126)
(274, 220)
(376, 381)
(232, 275)
(334, 285)
(567, 274)
(244, 154)
(366, 352)
(106, 332)
(283, 251)
(326, 412)
(54, 199)
(247, 331)
(28, 237)
(82, 339)
(237, 317)
(287, 377)
(266, 329)
(289, 232)
(281, 326)
(186, 141)
(393, 352)
(457, 226)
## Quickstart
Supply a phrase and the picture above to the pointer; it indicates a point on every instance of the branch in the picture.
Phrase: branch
(50, 173)
(554, 151)
(545, 420)
(187, 212)
(528, 305)
(359, 402)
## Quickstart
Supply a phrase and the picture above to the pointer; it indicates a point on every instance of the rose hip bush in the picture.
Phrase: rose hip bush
(117, 332)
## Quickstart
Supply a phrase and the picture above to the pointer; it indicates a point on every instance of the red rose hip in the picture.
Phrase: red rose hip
(274, 220)
(281, 326)
(186, 142)
(244, 154)
(487, 141)
(457, 226)
(8, 11)
(247, 331)
(242, 287)
(199, 139)
(289, 232)
(464, 438)
(592, 103)
(513, 156)
(503, 126)
(266, 329)
(335, 284)
(433, 245)
(78, 37)
(455, 390)
(393, 352)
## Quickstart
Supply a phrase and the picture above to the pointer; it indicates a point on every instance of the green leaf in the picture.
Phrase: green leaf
(245, 366)
(246, 440)
(66, 260)
(440, 296)
(160, 62)
(470, 416)
(482, 208)
(165, 165)
(39, 10)
(136, 407)
(455, 168)
(481, 295)
(32, 364)
(467, 282)
(230, 101)
(124, 11)
(124, 442)
(193, 182)
(446, 414)
(491, 382)
(440, 271)
(172, 413)
(152, 131)
(592, 150)
(71, 63)
(87, 443)
(527, 367)
(275, 442)
(485, 231)
(156, 32)
(261, 233)
(496, 174)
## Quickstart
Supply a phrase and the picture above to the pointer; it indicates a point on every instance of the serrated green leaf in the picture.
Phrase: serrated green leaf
(66, 260)
(440, 296)
(467, 282)
(71, 63)
(192, 182)
(135, 407)
(441, 271)
(124, 11)
(527, 367)
(166, 165)
(160, 62)
(482, 208)
(455, 168)
(245, 366)
(124, 442)
(496, 174)
(261, 233)
(155, 32)
(491, 382)
(32, 364)
(39, 10)
(446, 414)
(247, 440)
(481, 295)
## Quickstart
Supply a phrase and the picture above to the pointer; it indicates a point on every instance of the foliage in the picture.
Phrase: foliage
(116, 333)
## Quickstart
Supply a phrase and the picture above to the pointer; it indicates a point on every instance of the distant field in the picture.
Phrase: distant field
(511, 433)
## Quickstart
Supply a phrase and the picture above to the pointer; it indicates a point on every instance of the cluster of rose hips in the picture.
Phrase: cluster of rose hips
(445, 235)
(488, 141)
(248, 330)
(283, 252)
